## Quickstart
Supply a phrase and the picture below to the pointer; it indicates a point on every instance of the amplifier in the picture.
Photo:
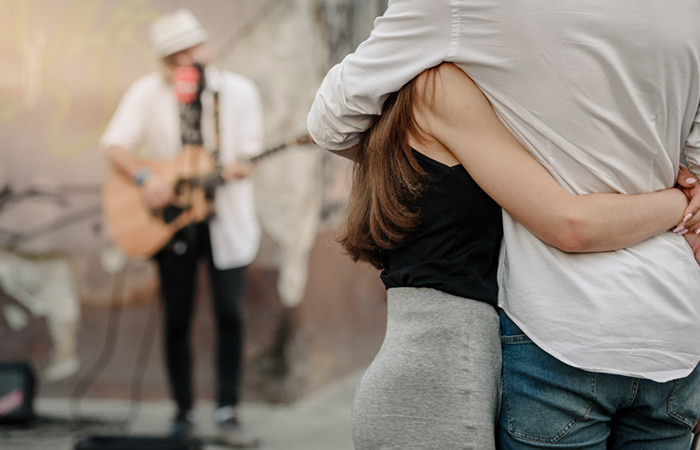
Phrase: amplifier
(137, 443)
(17, 388)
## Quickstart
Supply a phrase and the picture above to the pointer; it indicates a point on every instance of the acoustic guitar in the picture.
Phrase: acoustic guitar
(140, 231)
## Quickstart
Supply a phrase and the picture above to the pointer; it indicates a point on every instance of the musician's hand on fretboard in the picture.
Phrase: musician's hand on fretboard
(236, 170)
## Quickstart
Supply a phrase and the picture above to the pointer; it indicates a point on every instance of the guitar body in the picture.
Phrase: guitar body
(138, 230)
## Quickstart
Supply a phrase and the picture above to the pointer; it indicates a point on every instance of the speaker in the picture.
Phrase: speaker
(17, 388)
(137, 443)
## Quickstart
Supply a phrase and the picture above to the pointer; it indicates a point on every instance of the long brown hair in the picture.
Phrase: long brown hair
(387, 180)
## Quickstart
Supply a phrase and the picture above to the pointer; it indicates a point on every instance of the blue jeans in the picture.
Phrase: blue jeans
(548, 404)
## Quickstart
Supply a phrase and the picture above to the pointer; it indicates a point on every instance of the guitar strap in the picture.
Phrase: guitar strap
(209, 191)
(217, 132)
(190, 135)
(191, 115)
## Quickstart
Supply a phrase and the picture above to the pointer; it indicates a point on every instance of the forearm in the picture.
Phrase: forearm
(123, 161)
(463, 121)
(353, 92)
(601, 222)
(331, 125)
(350, 153)
(156, 192)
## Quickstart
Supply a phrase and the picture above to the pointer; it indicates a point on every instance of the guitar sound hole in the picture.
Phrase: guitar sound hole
(171, 212)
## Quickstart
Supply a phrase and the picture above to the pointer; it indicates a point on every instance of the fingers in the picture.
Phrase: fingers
(686, 179)
(694, 242)
(236, 171)
(244, 169)
(691, 216)
(157, 193)
(690, 186)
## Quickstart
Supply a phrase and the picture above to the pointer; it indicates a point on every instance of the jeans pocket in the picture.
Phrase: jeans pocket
(543, 398)
(684, 401)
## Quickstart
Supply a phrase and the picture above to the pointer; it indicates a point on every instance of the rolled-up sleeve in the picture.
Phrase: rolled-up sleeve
(250, 121)
(413, 35)
(126, 129)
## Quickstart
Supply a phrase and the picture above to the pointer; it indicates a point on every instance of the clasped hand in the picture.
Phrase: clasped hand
(689, 227)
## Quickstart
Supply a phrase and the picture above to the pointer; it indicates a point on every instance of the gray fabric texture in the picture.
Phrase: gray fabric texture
(434, 384)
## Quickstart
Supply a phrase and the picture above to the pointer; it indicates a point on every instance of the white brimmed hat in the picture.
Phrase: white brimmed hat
(176, 31)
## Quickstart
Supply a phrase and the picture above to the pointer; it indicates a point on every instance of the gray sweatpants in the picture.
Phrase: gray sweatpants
(435, 382)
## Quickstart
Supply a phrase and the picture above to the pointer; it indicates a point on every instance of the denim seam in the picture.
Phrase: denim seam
(516, 339)
(519, 339)
(670, 409)
(633, 392)
(557, 437)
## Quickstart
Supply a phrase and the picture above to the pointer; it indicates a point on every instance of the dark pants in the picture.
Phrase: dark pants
(177, 264)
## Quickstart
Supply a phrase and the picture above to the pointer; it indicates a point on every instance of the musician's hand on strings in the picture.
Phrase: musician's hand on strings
(156, 192)
(236, 170)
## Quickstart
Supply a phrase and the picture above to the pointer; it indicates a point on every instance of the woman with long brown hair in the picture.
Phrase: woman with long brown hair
(429, 177)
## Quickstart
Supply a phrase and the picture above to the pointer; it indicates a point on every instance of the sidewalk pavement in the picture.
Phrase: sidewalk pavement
(318, 422)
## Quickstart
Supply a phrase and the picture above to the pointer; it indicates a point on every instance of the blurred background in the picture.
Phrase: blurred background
(83, 315)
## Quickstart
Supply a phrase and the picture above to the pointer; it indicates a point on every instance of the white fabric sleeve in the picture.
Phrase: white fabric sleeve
(413, 35)
(126, 129)
(692, 146)
(251, 123)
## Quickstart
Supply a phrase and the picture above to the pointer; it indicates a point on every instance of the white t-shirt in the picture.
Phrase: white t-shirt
(148, 114)
(605, 95)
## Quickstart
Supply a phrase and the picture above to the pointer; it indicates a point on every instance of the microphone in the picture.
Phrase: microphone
(186, 83)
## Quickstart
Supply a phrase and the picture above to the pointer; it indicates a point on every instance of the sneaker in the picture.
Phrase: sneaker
(230, 431)
(61, 368)
(182, 426)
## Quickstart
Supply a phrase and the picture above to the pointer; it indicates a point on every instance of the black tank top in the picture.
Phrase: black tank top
(456, 247)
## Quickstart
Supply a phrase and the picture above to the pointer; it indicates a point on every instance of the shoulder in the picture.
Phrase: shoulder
(144, 89)
(430, 86)
(447, 90)
(436, 79)
(149, 82)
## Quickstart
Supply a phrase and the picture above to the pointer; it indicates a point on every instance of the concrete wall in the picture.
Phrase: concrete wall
(63, 67)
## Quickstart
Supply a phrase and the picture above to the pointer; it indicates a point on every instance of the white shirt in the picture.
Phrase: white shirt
(148, 114)
(604, 94)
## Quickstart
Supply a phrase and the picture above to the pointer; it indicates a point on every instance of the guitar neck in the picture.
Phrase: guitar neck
(299, 141)
(214, 178)
(208, 181)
